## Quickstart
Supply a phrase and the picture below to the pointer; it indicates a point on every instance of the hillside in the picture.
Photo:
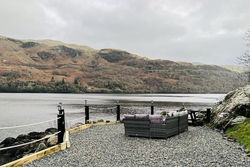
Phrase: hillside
(240, 69)
(53, 66)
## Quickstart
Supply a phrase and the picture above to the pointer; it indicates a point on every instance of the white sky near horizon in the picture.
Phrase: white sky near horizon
(205, 31)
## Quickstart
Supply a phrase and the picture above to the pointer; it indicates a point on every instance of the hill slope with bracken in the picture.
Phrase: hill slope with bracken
(53, 66)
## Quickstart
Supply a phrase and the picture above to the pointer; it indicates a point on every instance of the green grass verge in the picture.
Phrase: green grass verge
(241, 133)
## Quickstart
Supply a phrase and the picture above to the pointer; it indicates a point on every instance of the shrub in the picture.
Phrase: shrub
(60, 73)
(12, 75)
(241, 133)
(164, 113)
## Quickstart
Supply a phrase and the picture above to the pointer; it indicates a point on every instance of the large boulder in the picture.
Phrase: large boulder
(41, 147)
(8, 141)
(51, 131)
(236, 103)
(36, 135)
(22, 137)
(52, 141)
(238, 120)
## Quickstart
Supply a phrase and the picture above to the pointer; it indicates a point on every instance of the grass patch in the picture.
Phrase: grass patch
(241, 133)
(101, 120)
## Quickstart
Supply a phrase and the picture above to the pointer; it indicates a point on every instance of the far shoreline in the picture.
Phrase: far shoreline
(118, 93)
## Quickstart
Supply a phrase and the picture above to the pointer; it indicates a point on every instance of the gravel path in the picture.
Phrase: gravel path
(107, 146)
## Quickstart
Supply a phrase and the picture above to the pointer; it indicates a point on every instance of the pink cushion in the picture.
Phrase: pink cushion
(128, 116)
(141, 116)
(156, 119)
(153, 117)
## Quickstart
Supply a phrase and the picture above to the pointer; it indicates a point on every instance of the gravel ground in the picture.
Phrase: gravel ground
(108, 146)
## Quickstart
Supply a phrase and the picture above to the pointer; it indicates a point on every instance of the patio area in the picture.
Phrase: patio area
(108, 146)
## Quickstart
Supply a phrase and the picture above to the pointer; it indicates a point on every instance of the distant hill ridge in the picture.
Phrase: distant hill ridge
(240, 69)
(53, 66)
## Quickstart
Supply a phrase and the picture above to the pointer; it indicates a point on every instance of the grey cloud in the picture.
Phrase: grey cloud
(181, 30)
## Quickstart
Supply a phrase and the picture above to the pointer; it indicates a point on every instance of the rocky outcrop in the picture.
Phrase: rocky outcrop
(68, 51)
(29, 44)
(46, 55)
(114, 55)
(235, 104)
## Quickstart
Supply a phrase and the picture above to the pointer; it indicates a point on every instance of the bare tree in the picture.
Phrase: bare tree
(245, 58)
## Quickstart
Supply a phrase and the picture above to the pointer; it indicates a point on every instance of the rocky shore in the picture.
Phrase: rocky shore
(108, 146)
(12, 154)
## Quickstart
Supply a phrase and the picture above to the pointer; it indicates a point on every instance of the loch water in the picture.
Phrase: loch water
(28, 108)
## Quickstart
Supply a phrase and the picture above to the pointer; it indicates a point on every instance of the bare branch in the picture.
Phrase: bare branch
(245, 58)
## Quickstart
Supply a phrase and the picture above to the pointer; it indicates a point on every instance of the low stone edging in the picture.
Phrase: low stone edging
(86, 126)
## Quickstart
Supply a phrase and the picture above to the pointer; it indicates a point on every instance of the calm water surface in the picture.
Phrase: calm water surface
(25, 108)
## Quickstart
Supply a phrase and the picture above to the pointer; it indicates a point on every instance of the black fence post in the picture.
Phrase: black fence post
(208, 115)
(118, 112)
(86, 113)
(60, 124)
(178, 124)
(152, 108)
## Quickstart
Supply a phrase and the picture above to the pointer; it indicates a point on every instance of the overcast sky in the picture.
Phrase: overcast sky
(206, 31)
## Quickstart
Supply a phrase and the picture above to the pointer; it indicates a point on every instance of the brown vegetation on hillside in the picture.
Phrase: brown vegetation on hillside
(34, 66)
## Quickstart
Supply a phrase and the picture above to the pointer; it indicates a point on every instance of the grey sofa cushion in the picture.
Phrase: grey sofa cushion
(156, 119)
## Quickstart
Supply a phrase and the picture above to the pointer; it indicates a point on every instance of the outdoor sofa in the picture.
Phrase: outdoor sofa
(153, 126)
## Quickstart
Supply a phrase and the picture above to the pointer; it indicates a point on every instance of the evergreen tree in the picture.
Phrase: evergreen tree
(63, 81)
(52, 79)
